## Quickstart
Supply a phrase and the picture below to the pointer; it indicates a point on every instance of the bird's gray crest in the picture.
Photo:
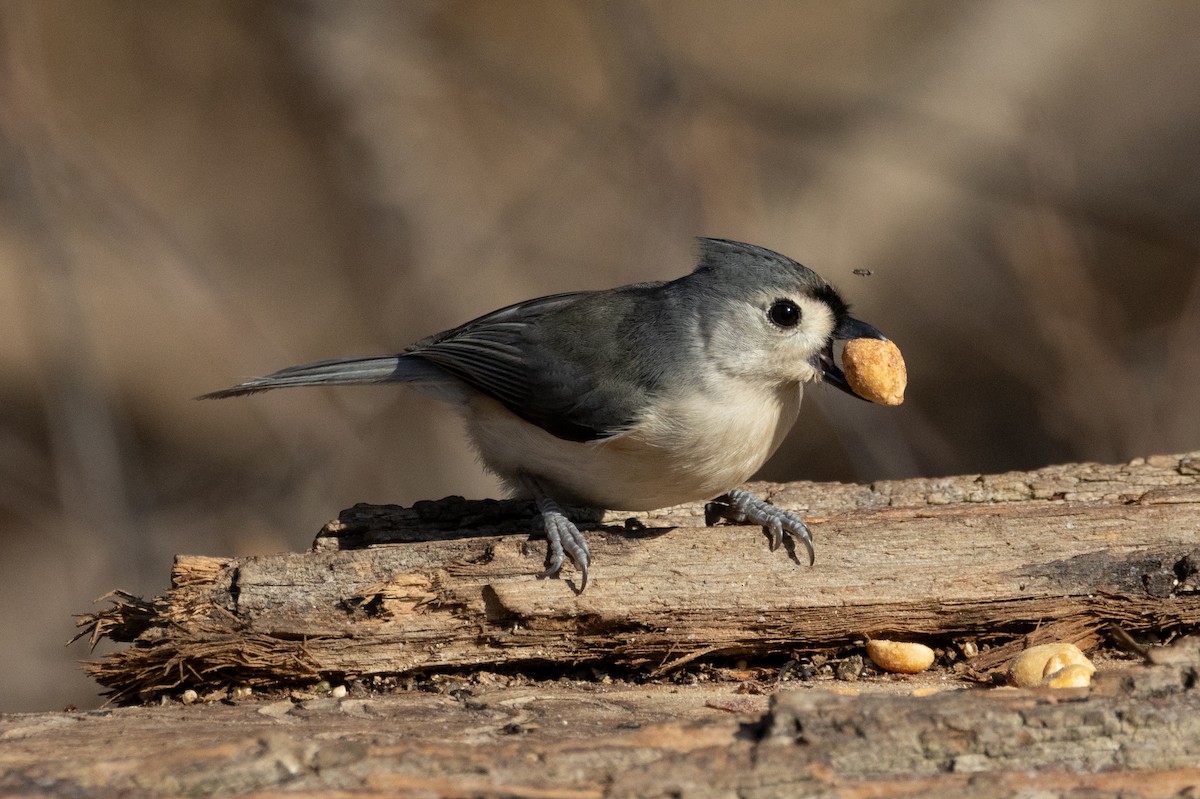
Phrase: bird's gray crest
(760, 268)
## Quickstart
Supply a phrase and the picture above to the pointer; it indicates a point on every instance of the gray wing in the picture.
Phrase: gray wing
(560, 371)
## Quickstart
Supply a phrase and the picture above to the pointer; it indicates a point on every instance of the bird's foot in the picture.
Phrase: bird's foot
(740, 506)
(563, 539)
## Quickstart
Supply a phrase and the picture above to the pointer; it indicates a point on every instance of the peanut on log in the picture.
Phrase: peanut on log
(900, 657)
(1033, 666)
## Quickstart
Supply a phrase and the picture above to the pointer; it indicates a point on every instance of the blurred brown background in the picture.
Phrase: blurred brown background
(197, 192)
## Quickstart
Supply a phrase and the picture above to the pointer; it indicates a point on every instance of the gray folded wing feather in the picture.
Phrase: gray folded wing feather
(545, 366)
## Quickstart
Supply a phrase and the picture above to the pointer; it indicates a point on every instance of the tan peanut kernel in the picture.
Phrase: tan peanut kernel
(875, 370)
(899, 657)
(1036, 663)
(1075, 675)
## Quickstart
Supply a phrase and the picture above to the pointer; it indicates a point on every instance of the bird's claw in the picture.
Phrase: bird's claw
(740, 506)
(563, 540)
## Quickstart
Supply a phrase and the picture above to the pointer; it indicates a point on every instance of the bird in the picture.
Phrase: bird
(631, 398)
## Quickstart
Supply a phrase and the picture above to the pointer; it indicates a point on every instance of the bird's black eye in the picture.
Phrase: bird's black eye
(784, 313)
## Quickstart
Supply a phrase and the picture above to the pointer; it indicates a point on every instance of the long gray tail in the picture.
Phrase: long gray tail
(339, 372)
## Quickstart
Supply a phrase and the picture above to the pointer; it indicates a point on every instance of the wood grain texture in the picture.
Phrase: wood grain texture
(452, 585)
(446, 593)
(1135, 734)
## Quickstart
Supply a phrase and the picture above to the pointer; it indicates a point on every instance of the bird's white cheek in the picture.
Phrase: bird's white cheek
(753, 351)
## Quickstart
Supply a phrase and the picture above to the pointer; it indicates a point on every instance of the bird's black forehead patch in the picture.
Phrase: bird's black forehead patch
(828, 295)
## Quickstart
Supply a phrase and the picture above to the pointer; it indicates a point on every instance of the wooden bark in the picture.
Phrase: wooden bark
(468, 676)
(452, 585)
(1134, 734)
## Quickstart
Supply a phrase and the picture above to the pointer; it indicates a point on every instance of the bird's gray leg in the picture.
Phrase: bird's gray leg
(562, 536)
(741, 506)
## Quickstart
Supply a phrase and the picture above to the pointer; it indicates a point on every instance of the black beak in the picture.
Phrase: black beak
(852, 328)
(824, 361)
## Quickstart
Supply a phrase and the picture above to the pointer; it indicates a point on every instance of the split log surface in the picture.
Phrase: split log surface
(1134, 734)
(452, 585)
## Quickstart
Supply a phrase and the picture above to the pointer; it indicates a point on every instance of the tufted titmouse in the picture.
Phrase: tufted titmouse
(632, 398)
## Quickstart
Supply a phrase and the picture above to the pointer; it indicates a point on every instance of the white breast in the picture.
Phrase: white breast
(690, 449)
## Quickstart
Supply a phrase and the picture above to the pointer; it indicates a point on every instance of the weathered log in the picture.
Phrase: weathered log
(452, 585)
(1135, 733)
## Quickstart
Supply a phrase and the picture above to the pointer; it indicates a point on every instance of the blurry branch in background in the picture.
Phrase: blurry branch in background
(1102, 381)
(63, 199)
(40, 187)
(1084, 387)
(1179, 388)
